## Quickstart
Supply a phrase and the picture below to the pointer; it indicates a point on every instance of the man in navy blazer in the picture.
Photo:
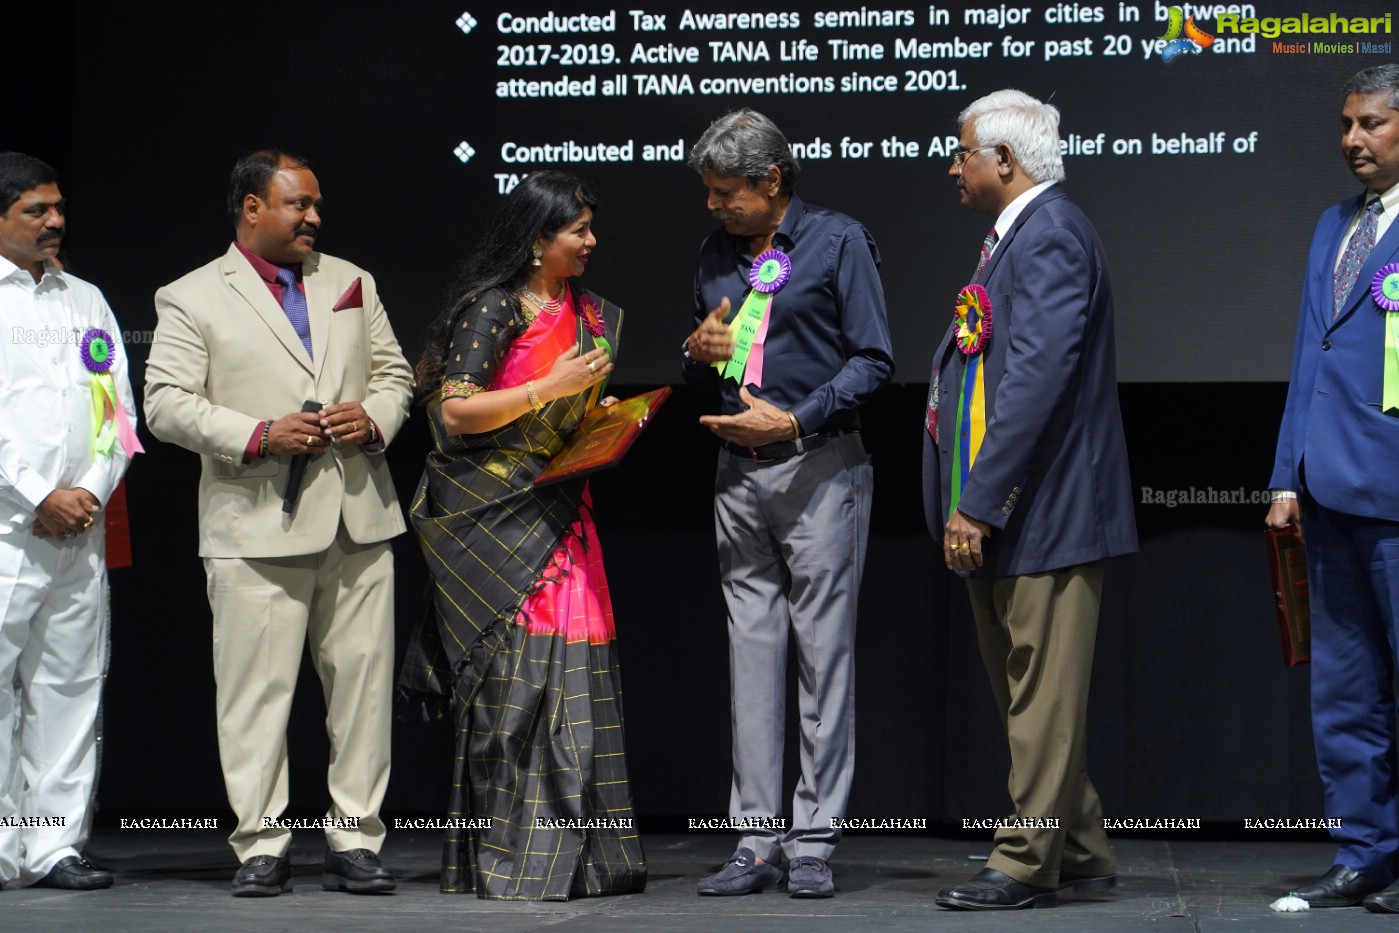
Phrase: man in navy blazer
(1337, 456)
(1025, 482)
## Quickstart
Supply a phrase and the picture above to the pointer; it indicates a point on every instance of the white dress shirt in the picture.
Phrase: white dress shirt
(1013, 210)
(46, 392)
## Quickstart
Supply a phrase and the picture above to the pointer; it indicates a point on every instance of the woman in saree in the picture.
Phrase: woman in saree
(522, 639)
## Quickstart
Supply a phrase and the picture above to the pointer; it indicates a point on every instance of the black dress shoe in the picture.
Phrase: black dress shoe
(1385, 902)
(1072, 880)
(263, 876)
(75, 873)
(989, 889)
(358, 871)
(1339, 887)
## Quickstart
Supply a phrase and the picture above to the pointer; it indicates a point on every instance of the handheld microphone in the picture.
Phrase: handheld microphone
(298, 468)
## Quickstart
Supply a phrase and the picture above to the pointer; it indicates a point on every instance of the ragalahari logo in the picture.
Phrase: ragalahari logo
(1173, 44)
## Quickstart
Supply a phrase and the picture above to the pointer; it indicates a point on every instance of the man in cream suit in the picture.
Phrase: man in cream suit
(241, 345)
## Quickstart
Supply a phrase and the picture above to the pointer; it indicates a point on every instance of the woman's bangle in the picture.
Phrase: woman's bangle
(534, 401)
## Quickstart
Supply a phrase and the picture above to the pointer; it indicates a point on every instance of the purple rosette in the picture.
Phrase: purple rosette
(770, 271)
(1384, 287)
(96, 349)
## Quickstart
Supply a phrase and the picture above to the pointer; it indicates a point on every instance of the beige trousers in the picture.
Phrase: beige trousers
(265, 610)
(1036, 635)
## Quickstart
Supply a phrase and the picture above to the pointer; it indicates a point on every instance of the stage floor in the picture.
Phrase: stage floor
(178, 881)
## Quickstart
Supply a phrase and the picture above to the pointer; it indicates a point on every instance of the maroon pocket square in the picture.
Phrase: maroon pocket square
(353, 297)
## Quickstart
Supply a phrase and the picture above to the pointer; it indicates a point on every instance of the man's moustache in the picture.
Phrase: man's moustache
(307, 231)
(49, 235)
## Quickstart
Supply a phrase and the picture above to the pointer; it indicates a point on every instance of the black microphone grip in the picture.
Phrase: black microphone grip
(298, 467)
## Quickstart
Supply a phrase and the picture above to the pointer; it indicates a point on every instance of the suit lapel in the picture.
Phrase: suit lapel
(1052, 193)
(244, 280)
(320, 298)
(1324, 269)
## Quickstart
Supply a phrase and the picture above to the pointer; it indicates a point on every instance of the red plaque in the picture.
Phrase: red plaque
(118, 531)
(1287, 559)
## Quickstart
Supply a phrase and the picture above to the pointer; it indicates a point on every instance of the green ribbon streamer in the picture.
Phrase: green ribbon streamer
(745, 327)
(957, 452)
(1390, 401)
(602, 343)
(104, 429)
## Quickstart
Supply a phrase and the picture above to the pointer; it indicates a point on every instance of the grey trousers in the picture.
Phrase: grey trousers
(792, 537)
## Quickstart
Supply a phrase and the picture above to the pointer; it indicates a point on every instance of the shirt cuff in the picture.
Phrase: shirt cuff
(98, 480)
(1281, 495)
(254, 449)
(33, 488)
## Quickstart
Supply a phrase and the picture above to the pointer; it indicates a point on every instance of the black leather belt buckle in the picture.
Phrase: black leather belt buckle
(786, 450)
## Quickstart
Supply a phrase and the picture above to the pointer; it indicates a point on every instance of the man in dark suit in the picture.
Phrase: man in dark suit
(1336, 456)
(1025, 482)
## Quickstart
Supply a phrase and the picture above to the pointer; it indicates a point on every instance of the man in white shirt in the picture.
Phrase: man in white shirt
(61, 349)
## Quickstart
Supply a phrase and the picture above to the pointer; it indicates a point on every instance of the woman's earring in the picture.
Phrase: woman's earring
(537, 253)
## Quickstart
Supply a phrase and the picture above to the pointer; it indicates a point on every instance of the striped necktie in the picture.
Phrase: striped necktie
(294, 304)
(1357, 251)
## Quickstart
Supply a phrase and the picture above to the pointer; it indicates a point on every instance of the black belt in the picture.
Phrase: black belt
(785, 450)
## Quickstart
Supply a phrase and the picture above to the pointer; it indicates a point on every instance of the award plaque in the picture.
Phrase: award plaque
(603, 437)
(1287, 560)
(118, 529)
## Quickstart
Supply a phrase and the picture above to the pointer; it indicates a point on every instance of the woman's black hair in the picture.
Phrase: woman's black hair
(540, 206)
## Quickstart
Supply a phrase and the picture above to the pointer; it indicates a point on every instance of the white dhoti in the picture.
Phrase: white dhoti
(53, 643)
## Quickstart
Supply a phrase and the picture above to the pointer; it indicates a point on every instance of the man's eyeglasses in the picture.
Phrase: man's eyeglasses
(960, 157)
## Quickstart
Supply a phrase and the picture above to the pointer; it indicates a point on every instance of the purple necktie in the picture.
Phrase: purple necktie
(1357, 251)
(294, 304)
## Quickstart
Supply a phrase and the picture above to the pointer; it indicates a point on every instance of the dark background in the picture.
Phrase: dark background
(143, 110)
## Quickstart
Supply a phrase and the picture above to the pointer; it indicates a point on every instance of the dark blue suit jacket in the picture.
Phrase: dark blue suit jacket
(1335, 442)
(1051, 476)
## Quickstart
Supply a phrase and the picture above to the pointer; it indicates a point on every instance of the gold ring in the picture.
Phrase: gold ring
(963, 548)
(310, 441)
(354, 427)
(592, 367)
(88, 523)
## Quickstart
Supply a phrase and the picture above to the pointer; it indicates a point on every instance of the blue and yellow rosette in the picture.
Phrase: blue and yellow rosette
(972, 321)
(109, 422)
(769, 272)
(1384, 289)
